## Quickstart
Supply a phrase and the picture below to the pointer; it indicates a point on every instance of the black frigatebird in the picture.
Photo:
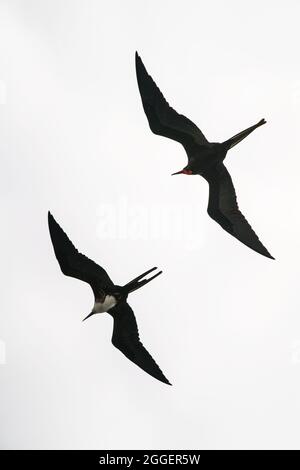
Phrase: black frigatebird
(109, 298)
(204, 158)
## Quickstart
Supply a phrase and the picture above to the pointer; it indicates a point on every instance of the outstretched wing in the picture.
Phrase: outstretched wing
(223, 208)
(164, 120)
(126, 338)
(73, 263)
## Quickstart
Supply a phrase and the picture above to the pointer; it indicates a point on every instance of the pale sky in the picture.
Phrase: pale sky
(222, 322)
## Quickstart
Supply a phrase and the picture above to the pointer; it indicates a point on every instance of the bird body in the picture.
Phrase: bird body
(109, 298)
(204, 158)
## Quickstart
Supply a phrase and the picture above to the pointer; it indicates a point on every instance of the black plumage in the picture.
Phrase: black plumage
(125, 331)
(204, 158)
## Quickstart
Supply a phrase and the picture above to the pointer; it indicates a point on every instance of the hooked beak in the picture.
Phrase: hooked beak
(89, 315)
(184, 172)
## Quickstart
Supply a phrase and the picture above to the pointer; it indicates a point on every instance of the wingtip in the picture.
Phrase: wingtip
(139, 64)
(164, 380)
(266, 255)
(50, 217)
(264, 252)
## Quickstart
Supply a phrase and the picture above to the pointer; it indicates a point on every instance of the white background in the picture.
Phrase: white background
(222, 321)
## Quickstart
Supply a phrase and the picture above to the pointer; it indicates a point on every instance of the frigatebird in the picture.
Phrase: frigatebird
(109, 298)
(204, 158)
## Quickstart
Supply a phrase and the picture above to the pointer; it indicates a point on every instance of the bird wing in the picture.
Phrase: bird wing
(126, 338)
(223, 208)
(164, 120)
(73, 263)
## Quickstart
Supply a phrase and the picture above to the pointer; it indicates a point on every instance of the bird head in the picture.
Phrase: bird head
(185, 171)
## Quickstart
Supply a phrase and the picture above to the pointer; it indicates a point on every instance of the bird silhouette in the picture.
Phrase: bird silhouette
(109, 298)
(204, 158)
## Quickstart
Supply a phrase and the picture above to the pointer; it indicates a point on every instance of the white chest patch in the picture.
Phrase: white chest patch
(109, 302)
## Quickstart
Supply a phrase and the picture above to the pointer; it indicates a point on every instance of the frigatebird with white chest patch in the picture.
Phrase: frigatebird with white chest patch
(204, 158)
(109, 298)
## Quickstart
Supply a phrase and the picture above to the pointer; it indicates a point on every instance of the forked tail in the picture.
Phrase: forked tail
(136, 283)
(241, 135)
